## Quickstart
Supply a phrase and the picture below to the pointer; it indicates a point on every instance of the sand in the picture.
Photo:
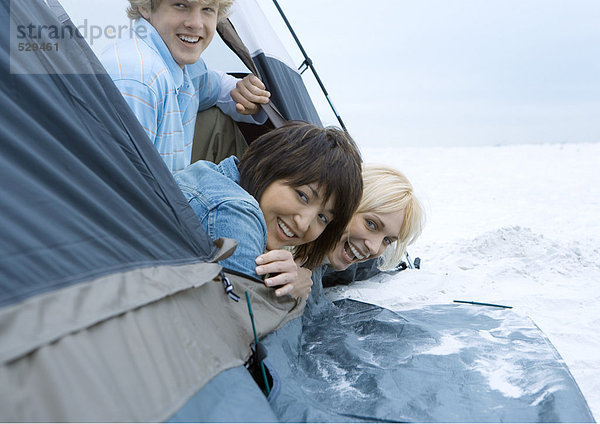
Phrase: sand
(513, 225)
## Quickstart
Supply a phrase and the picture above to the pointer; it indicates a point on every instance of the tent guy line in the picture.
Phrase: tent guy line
(483, 304)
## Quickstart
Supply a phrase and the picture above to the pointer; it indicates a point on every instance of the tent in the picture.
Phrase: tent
(113, 306)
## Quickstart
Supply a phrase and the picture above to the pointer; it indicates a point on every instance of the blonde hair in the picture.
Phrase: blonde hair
(133, 11)
(387, 190)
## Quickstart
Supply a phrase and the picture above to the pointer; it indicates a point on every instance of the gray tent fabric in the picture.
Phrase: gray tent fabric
(351, 361)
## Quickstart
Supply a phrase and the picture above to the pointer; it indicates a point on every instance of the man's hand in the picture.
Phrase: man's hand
(249, 93)
(296, 281)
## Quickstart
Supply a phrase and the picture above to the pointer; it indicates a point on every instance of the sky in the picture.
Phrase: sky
(438, 72)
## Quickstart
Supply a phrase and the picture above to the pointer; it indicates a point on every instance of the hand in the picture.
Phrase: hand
(279, 262)
(303, 287)
(295, 280)
(249, 93)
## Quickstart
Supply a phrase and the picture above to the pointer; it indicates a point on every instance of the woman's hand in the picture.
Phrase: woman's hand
(295, 281)
(304, 284)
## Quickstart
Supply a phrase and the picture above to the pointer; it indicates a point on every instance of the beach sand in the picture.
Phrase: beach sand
(513, 225)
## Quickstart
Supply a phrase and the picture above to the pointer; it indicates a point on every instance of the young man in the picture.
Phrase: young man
(165, 82)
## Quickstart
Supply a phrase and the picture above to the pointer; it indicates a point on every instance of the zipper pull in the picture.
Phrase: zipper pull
(229, 288)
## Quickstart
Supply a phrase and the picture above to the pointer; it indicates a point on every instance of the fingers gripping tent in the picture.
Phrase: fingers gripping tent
(249, 34)
(112, 303)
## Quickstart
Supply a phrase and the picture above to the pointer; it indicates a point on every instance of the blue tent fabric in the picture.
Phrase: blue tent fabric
(288, 92)
(84, 192)
(351, 361)
(232, 396)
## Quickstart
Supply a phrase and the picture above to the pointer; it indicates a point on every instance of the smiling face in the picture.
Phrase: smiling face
(294, 215)
(186, 27)
(367, 237)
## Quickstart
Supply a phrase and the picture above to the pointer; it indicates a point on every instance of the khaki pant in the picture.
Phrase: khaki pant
(216, 137)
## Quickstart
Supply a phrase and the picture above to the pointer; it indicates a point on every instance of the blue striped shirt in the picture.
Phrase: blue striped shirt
(164, 97)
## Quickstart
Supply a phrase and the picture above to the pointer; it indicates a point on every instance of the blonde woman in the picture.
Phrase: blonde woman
(388, 219)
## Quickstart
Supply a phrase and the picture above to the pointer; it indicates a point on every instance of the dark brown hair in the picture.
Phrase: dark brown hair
(301, 154)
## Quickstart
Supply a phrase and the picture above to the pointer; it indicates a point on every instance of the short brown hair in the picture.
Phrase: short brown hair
(300, 154)
(133, 11)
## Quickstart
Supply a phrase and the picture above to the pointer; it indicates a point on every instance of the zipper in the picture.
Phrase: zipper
(229, 287)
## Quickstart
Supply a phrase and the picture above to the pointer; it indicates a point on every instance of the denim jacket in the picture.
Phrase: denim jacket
(226, 210)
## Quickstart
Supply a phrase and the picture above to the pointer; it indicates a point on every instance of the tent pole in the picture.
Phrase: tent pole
(308, 63)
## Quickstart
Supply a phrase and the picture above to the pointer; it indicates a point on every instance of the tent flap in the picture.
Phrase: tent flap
(84, 192)
(143, 365)
(48, 317)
